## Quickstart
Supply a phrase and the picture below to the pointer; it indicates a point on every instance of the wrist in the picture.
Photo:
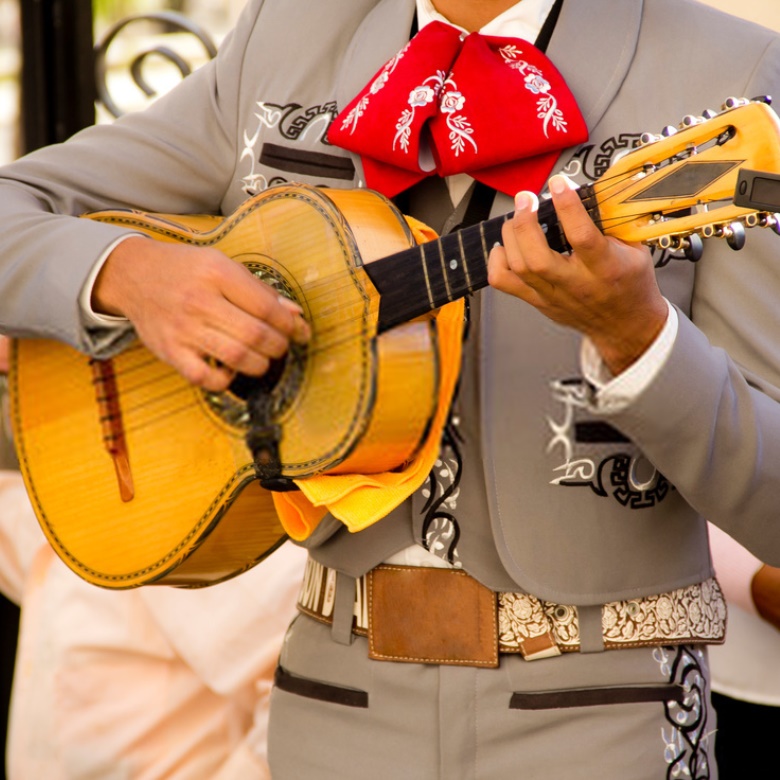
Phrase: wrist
(113, 282)
(621, 346)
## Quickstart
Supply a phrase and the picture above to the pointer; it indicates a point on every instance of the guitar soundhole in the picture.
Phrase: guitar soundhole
(284, 378)
(243, 385)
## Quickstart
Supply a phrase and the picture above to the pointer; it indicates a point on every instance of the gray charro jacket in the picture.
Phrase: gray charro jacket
(573, 511)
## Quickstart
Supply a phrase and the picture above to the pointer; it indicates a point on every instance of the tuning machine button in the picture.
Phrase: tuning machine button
(734, 235)
(692, 247)
(770, 220)
(734, 102)
(689, 120)
(648, 138)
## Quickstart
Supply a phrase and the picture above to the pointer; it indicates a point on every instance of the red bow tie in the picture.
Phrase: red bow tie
(495, 108)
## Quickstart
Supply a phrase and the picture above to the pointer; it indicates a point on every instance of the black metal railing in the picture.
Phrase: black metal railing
(172, 23)
(64, 74)
(58, 74)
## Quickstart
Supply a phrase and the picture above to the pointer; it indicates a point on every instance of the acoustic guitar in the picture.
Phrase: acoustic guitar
(138, 477)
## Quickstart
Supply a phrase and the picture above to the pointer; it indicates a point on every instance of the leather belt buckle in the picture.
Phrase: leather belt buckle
(428, 615)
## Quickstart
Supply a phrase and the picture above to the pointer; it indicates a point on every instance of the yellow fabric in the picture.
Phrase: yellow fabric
(361, 500)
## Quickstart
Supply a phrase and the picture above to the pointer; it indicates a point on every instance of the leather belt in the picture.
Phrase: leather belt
(445, 616)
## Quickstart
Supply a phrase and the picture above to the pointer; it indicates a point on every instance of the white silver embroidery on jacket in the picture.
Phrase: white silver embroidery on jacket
(686, 743)
(440, 529)
(267, 116)
(292, 122)
(572, 395)
(623, 474)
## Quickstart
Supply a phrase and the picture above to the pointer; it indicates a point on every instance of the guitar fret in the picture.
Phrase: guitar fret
(444, 270)
(482, 238)
(431, 300)
(466, 273)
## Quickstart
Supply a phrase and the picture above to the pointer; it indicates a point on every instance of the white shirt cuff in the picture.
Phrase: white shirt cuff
(89, 316)
(614, 393)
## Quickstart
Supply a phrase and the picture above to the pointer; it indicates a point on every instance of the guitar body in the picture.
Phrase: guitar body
(137, 477)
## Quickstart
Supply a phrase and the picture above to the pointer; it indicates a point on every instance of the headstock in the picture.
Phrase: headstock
(679, 187)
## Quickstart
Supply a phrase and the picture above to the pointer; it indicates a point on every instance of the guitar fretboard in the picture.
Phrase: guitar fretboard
(427, 276)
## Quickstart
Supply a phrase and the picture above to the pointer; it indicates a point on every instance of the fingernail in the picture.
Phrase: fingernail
(290, 304)
(526, 201)
(560, 183)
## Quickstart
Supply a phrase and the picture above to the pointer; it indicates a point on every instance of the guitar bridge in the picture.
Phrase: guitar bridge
(110, 413)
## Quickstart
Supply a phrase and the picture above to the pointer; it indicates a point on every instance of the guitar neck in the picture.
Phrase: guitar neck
(427, 276)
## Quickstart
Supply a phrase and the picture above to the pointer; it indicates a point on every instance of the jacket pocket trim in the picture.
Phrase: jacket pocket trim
(284, 158)
(592, 697)
(312, 689)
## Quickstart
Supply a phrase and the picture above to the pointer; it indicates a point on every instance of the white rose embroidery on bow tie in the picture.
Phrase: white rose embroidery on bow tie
(419, 97)
(461, 130)
(450, 103)
(535, 83)
(352, 118)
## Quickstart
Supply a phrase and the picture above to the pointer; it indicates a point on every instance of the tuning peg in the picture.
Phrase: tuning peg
(709, 113)
(648, 138)
(668, 131)
(734, 102)
(771, 221)
(689, 120)
(734, 235)
(693, 247)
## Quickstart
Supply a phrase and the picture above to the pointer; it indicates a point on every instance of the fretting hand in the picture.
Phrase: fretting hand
(605, 289)
(198, 310)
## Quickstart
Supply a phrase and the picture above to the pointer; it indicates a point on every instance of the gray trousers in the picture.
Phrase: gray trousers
(625, 714)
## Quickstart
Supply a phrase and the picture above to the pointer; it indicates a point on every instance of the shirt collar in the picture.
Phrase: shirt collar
(523, 20)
